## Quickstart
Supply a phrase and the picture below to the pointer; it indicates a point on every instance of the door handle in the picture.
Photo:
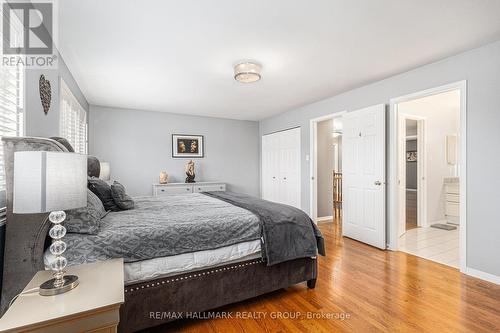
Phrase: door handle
(378, 183)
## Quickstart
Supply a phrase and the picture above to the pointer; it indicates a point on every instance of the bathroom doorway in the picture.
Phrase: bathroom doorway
(428, 197)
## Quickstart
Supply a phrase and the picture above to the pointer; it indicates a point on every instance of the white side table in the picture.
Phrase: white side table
(93, 306)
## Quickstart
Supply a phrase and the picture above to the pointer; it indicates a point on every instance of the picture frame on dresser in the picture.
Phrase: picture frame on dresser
(188, 146)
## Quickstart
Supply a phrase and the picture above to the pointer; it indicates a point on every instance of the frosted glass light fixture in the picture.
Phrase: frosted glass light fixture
(51, 182)
(247, 72)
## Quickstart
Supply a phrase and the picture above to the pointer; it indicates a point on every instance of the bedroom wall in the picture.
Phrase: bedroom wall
(37, 122)
(138, 146)
(481, 68)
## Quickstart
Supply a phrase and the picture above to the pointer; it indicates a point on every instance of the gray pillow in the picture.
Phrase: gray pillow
(121, 198)
(103, 191)
(85, 220)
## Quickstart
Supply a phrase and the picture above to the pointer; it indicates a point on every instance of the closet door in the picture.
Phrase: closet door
(289, 182)
(270, 165)
(281, 167)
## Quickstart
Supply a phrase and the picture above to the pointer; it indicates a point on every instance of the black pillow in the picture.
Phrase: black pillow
(103, 191)
(122, 199)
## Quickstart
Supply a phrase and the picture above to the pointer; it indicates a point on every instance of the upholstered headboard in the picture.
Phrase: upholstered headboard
(25, 234)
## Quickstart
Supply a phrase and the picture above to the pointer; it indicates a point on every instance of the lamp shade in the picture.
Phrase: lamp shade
(49, 181)
(105, 173)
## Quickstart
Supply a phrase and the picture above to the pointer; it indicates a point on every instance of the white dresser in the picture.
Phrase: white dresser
(177, 188)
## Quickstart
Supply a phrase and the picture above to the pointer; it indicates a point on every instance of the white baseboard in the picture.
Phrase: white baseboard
(324, 218)
(483, 275)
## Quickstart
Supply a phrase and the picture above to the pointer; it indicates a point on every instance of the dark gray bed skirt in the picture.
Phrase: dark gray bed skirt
(148, 304)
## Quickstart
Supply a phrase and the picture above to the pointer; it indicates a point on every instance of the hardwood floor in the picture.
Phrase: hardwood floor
(370, 291)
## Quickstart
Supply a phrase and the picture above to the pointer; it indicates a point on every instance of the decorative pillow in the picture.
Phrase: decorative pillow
(103, 192)
(122, 199)
(85, 220)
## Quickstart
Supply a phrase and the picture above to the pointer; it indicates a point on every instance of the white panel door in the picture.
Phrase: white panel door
(289, 181)
(281, 167)
(363, 168)
(265, 167)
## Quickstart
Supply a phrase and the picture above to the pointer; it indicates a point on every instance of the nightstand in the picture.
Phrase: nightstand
(93, 306)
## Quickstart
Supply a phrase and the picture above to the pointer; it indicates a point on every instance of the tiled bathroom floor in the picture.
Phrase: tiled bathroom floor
(433, 244)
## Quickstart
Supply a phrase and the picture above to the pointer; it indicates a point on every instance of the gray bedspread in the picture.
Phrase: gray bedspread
(287, 232)
(164, 226)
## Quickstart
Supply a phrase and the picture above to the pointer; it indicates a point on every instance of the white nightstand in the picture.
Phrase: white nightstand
(93, 306)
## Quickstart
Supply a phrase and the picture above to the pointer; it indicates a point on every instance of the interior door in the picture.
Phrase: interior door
(290, 167)
(363, 167)
(265, 168)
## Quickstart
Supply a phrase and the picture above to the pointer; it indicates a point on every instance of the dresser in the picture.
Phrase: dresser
(178, 188)
(93, 306)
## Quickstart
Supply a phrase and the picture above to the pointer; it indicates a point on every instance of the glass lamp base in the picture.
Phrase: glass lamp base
(48, 289)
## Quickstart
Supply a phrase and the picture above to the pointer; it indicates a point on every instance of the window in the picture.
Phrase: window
(73, 121)
(11, 103)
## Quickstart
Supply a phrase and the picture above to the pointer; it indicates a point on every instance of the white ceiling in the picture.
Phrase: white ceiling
(177, 56)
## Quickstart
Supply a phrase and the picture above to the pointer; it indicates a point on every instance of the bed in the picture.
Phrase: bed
(185, 253)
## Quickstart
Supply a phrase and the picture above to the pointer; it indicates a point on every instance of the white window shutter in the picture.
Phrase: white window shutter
(73, 120)
(11, 101)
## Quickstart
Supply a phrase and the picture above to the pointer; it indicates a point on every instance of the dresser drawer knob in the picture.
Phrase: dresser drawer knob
(187, 189)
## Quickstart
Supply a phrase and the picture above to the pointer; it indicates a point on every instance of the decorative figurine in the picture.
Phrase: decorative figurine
(163, 177)
(190, 172)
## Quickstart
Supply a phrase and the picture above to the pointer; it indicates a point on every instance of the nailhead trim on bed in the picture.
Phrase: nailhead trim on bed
(191, 276)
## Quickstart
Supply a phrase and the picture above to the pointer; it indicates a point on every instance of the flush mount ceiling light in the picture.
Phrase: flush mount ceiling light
(247, 72)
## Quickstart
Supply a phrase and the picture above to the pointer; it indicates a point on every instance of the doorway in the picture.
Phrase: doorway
(412, 184)
(363, 182)
(326, 168)
(412, 141)
(428, 171)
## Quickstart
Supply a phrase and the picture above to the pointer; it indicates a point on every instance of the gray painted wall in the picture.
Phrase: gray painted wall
(481, 68)
(37, 123)
(325, 167)
(138, 146)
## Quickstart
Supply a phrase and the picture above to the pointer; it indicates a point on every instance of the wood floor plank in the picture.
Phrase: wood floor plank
(374, 291)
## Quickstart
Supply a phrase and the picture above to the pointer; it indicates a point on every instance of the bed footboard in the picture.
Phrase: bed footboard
(147, 302)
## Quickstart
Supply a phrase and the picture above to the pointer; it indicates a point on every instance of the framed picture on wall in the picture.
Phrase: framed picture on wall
(188, 146)
(411, 156)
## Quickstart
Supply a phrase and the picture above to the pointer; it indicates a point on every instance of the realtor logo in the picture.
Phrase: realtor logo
(28, 34)
(36, 30)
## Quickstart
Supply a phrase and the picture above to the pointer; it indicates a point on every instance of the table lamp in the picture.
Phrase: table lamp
(51, 182)
(105, 173)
